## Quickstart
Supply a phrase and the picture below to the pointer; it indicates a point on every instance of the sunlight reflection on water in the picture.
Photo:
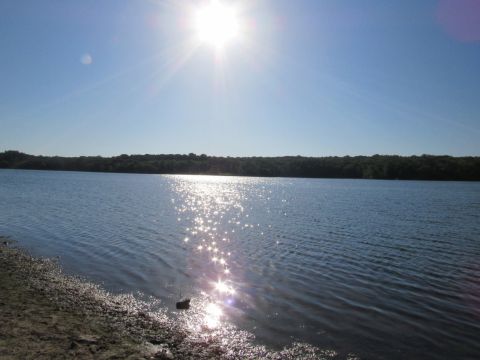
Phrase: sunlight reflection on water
(204, 204)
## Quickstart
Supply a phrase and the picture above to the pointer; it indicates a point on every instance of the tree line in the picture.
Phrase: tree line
(424, 167)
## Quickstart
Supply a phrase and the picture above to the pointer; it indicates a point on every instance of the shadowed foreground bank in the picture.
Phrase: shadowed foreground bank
(425, 167)
(46, 314)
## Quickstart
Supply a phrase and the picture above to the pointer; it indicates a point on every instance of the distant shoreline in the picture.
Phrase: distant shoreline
(380, 167)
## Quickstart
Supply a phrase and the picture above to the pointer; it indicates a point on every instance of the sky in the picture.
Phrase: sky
(306, 77)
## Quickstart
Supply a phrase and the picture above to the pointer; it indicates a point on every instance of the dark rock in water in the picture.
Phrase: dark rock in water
(184, 304)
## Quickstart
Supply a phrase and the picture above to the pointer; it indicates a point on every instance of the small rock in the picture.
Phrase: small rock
(156, 342)
(184, 304)
(164, 354)
(87, 339)
(160, 351)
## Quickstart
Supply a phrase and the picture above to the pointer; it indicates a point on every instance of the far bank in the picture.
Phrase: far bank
(387, 167)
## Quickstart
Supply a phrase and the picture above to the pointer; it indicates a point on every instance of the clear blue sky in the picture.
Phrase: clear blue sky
(315, 78)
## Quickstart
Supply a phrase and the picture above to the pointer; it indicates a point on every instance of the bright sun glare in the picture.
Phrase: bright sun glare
(217, 24)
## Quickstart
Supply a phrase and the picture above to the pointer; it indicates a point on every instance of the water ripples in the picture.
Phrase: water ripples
(383, 269)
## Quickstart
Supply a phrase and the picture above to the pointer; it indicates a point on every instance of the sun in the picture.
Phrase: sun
(217, 24)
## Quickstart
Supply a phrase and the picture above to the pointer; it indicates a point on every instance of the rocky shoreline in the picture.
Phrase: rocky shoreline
(46, 314)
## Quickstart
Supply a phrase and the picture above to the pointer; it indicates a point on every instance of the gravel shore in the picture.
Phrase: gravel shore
(45, 314)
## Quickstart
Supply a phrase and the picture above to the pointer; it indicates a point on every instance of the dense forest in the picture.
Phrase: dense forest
(425, 167)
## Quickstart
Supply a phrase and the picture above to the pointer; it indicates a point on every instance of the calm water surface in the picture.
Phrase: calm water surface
(381, 269)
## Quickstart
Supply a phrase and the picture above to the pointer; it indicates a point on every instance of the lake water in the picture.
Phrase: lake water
(381, 269)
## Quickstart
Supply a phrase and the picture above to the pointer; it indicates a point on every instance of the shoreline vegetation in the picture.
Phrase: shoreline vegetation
(387, 167)
(46, 314)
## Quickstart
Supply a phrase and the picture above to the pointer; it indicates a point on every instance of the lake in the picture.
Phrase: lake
(379, 269)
